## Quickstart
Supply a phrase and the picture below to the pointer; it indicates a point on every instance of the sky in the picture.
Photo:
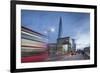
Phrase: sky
(74, 25)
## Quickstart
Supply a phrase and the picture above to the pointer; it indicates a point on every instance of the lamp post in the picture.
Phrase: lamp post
(48, 34)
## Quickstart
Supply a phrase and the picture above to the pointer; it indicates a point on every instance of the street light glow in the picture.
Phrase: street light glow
(52, 30)
(45, 32)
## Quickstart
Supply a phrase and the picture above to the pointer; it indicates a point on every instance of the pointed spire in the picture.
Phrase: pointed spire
(60, 28)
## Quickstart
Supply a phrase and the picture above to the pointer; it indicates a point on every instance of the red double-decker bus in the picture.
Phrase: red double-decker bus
(33, 46)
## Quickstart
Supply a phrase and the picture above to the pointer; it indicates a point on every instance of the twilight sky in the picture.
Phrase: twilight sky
(74, 25)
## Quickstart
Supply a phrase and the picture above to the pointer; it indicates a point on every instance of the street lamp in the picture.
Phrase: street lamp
(48, 33)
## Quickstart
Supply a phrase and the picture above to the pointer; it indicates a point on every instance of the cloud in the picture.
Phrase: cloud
(83, 40)
(82, 33)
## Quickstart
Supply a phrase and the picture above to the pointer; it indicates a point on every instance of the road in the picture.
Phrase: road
(68, 57)
(73, 57)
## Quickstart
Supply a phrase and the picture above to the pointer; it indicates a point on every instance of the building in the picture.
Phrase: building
(66, 45)
(87, 52)
(33, 46)
(73, 44)
(52, 49)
